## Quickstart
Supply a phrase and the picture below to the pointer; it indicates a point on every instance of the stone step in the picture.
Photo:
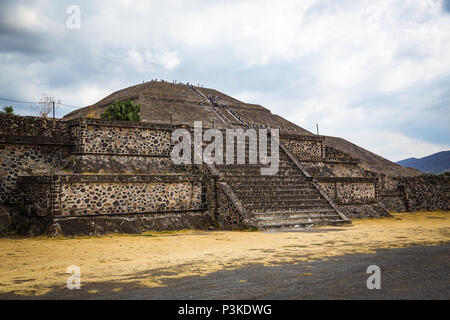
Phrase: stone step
(296, 186)
(294, 215)
(288, 226)
(257, 173)
(265, 183)
(271, 221)
(265, 207)
(249, 192)
(256, 149)
(274, 178)
(274, 192)
(281, 155)
(236, 167)
(284, 197)
(246, 162)
(282, 171)
(292, 207)
(248, 167)
(285, 202)
(247, 142)
(296, 212)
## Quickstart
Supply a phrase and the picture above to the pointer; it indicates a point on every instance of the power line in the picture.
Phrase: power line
(20, 101)
(68, 105)
(17, 101)
(312, 126)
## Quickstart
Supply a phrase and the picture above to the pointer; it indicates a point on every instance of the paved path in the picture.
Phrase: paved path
(407, 273)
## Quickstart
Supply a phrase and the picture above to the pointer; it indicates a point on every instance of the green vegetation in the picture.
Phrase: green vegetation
(123, 110)
(7, 110)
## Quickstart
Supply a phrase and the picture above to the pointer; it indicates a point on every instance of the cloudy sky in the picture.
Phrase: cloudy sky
(376, 73)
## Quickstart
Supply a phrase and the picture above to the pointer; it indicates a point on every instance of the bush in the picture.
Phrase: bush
(7, 110)
(123, 110)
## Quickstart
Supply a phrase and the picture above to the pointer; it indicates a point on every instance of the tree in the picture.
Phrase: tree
(123, 110)
(7, 110)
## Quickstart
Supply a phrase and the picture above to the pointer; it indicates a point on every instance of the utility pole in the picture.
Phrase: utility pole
(53, 109)
(317, 127)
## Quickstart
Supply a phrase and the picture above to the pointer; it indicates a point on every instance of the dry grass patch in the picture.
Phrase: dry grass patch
(34, 265)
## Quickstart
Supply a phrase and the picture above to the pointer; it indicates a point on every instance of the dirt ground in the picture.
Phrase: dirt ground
(33, 266)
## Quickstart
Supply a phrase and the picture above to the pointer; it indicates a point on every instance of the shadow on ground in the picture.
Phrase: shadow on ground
(406, 273)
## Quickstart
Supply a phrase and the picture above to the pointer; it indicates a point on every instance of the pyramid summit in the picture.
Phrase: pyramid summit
(164, 101)
(188, 103)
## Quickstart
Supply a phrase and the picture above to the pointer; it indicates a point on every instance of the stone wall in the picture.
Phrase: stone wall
(427, 192)
(127, 223)
(313, 148)
(40, 146)
(364, 210)
(30, 146)
(349, 190)
(89, 168)
(353, 189)
(120, 164)
(332, 169)
(304, 149)
(94, 136)
(103, 146)
(388, 184)
(391, 196)
(335, 154)
(72, 195)
(37, 195)
(35, 127)
(27, 159)
(230, 214)
(92, 168)
(392, 201)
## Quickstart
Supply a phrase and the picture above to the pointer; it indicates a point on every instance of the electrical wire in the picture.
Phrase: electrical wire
(33, 102)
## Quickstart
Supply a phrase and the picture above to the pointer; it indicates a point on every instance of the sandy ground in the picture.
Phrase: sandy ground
(33, 266)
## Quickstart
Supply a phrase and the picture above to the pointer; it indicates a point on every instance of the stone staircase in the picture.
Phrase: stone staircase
(214, 109)
(283, 202)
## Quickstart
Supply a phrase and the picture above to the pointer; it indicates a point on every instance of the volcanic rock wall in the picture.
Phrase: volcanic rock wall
(350, 187)
(30, 146)
(80, 195)
(80, 173)
(359, 192)
(427, 192)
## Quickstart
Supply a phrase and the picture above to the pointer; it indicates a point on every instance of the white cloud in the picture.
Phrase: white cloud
(356, 68)
(169, 60)
(25, 18)
(135, 59)
(395, 146)
(149, 62)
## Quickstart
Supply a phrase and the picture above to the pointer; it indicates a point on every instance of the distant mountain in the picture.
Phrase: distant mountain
(436, 163)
